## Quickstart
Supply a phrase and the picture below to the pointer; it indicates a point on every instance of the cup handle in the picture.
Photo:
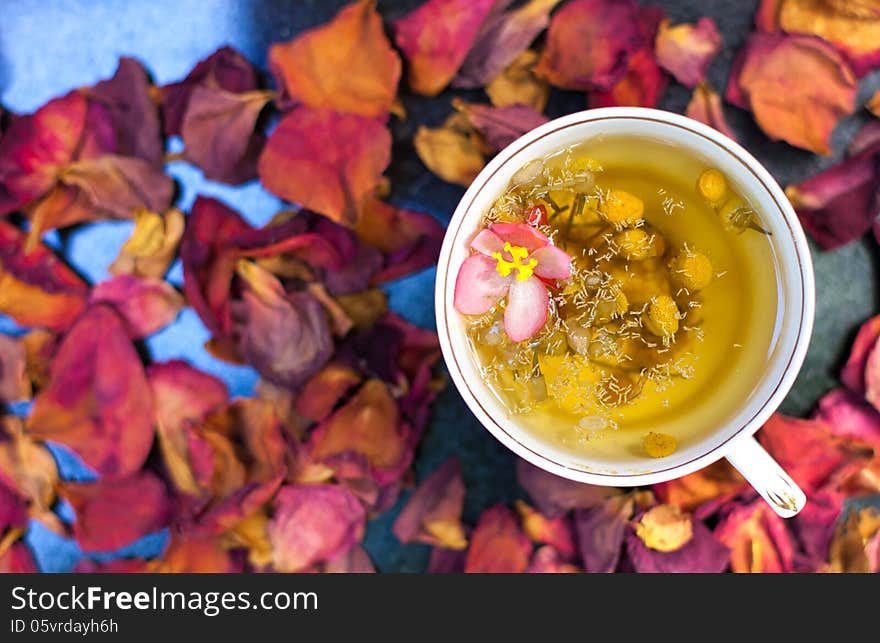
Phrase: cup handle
(769, 479)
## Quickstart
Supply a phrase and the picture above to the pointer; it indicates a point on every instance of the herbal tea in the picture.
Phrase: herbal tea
(621, 298)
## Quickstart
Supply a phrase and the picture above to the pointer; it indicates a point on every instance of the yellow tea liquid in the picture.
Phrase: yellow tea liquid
(670, 316)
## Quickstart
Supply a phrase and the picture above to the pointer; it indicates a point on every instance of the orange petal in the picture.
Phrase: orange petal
(498, 546)
(347, 65)
(758, 539)
(705, 106)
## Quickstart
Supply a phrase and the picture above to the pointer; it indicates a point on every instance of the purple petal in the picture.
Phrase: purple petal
(527, 306)
(501, 126)
(600, 532)
(702, 553)
(478, 286)
(554, 496)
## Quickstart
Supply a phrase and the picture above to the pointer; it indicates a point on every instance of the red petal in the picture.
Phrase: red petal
(501, 126)
(521, 234)
(346, 65)
(135, 117)
(313, 523)
(432, 514)
(853, 373)
(814, 525)
(817, 84)
(557, 532)
(435, 39)
(18, 560)
(589, 43)
(528, 303)
(225, 69)
(368, 425)
(554, 496)
(705, 106)
(326, 161)
(502, 38)
(641, 86)
(840, 204)
(478, 286)
(410, 240)
(147, 305)
(218, 133)
(601, 531)
(758, 539)
(112, 514)
(36, 146)
(686, 50)
(497, 544)
(188, 554)
(98, 401)
(547, 560)
(847, 416)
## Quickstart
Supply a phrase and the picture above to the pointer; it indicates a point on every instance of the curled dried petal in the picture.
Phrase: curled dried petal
(686, 50)
(498, 546)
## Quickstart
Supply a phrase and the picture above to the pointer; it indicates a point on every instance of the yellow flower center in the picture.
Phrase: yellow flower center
(524, 269)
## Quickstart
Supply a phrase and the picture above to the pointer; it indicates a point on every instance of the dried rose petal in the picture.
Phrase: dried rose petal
(644, 81)
(218, 133)
(501, 126)
(518, 84)
(35, 146)
(152, 246)
(325, 390)
(435, 39)
(758, 539)
(113, 566)
(853, 373)
(454, 151)
(135, 117)
(28, 466)
(696, 491)
(687, 50)
(112, 514)
(547, 560)
(703, 553)
(13, 507)
(705, 106)
(589, 43)
(557, 532)
(17, 560)
(119, 185)
(814, 525)
(641, 86)
(147, 305)
(187, 554)
(839, 204)
(432, 514)
(854, 548)
(601, 531)
(37, 288)
(367, 425)
(852, 28)
(347, 65)
(355, 561)
(326, 161)
(98, 401)
(554, 496)
(498, 546)
(446, 561)
(313, 523)
(409, 240)
(817, 84)
(503, 37)
(14, 382)
(808, 450)
(226, 69)
(849, 417)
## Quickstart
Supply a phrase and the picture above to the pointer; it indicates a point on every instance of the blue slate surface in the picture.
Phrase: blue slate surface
(50, 46)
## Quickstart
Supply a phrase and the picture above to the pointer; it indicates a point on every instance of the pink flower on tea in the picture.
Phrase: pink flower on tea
(512, 260)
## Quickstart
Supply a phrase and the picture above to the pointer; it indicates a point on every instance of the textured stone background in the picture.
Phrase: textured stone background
(50, 46)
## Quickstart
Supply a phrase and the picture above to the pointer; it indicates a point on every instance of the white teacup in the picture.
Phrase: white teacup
(734, 439)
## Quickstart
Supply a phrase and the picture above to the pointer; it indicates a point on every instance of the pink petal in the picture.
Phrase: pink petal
(521, 234)
(487, 242)
(478, 286)
(849, 417)
(553, 263)
(853, 373)
(527, 305)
